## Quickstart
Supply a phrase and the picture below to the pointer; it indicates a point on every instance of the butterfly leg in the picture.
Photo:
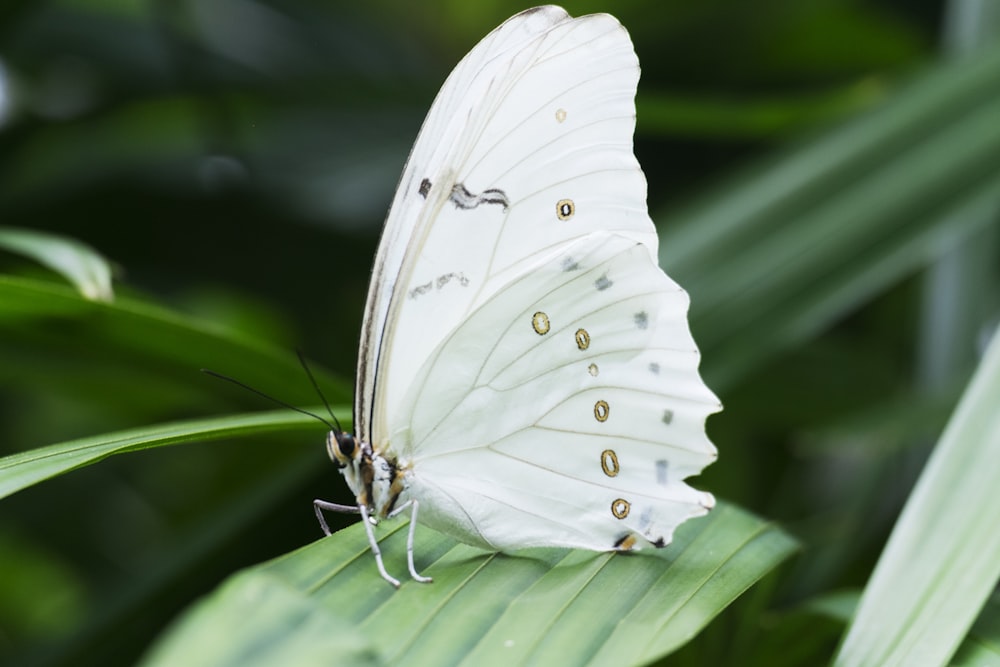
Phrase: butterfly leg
(320, 505)
(374, 546)
(409, 540)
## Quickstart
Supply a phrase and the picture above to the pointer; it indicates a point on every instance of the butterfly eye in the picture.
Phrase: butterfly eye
(346, 444)
(340, 447)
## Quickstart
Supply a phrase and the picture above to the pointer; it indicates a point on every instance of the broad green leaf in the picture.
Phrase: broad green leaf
(257, 620)
(21, 470)
(943, 558)
(550, 606)
(74, 260)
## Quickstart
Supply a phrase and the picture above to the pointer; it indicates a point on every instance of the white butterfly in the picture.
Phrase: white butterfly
(526, 373)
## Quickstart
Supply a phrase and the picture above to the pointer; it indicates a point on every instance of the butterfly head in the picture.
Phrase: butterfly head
(343, 448)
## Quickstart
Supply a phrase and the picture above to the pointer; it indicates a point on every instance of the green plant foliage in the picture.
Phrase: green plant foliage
(265, 622)
(926, 591)
(484, 608)
(845, 215)
(78, 263)
(826, 183)
(21, 470)
(981, 647)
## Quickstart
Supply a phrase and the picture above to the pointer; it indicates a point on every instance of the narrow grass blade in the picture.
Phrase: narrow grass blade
(21, 470)
(74, 260)
(943, 558)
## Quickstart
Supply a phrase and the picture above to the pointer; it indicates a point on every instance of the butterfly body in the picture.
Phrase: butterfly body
(526, 372)
(377, 481)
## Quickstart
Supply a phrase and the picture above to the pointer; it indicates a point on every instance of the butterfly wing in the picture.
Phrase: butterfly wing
(567, 410)
(523, 355)
(528, 146)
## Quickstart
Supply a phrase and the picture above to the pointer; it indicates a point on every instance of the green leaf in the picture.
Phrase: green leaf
(267, 623)
(21, 470)
(139, 335)
(75, 261)
(697, 115)
(797, 242)
(551, 606)
(981, 647)
(943, 557)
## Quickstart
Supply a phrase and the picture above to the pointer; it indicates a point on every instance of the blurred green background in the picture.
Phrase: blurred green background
(823, 174)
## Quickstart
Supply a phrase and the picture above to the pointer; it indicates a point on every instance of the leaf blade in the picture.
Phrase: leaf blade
(23, 469)
(940, 563)
(485, 608)
(77, 262)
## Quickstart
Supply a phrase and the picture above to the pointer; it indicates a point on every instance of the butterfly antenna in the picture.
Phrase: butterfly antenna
(312, 379)
(272, 398)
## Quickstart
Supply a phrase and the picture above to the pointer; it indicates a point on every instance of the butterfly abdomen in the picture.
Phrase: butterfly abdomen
(397, 485)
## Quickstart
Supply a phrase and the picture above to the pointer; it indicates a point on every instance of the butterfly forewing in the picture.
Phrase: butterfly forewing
(546, 118)
(442, 133)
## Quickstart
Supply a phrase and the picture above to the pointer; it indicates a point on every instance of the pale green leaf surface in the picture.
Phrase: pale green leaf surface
(74, 260)
(981, 647)
(943, 558)
(548, 606)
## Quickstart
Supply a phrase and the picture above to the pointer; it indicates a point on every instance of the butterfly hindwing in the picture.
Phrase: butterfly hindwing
(574, 388)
